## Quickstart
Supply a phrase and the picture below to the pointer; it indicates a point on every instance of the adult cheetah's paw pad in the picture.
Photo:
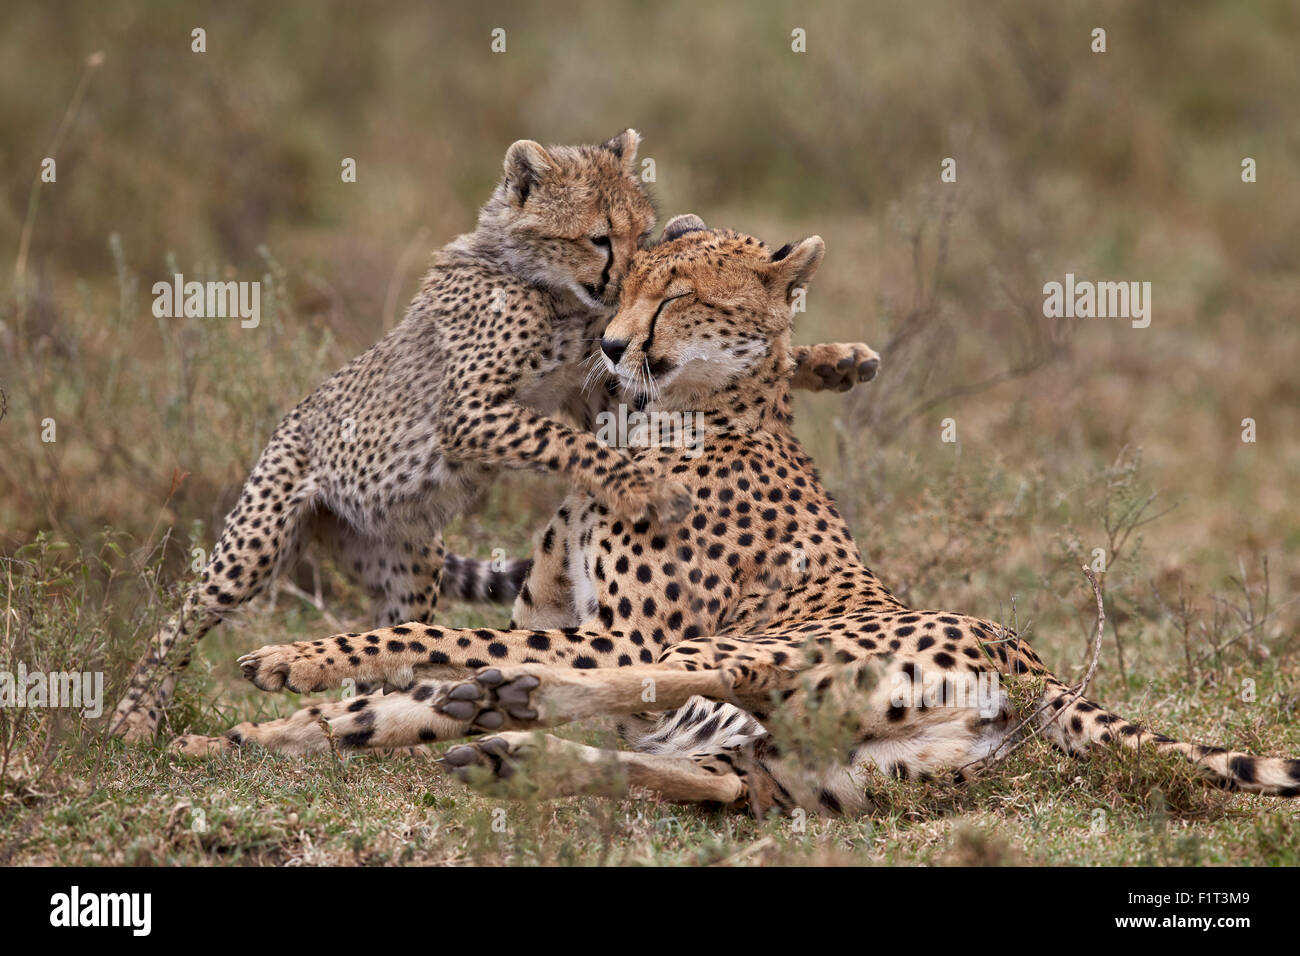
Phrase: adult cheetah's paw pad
(462, 701)
(196, 745)
(513, 695)
(841, 366)
(491, 700)
(496, 754)
(280, 666)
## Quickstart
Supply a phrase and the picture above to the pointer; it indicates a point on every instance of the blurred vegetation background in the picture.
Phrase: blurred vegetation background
(1124, 165)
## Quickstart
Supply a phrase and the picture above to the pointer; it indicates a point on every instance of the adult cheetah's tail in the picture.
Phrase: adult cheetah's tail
(1076, 723)
(487, 582)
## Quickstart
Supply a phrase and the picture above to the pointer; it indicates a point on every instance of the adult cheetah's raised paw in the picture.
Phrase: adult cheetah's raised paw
(835, 366)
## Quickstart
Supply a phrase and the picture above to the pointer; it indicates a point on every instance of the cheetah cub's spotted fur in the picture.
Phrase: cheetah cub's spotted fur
(786, 673)
(381, 456)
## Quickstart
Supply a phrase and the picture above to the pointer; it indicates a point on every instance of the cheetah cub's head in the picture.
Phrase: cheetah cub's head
(570, 218)
(704, 309)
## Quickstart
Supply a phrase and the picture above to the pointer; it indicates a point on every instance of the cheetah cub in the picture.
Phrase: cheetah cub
(394, 445)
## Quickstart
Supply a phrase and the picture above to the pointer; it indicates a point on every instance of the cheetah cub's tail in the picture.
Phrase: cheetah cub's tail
(1075, 724)
(486, 582)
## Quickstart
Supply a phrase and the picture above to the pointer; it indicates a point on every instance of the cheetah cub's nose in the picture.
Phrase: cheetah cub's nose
(613, 349)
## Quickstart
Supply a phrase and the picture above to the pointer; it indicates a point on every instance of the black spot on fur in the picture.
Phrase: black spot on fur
(358, 739)
(1243, 768)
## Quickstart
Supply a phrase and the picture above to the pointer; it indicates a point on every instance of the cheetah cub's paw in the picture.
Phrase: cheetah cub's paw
(670, 502)
(667, 502)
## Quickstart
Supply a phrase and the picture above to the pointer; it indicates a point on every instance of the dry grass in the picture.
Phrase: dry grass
(1119, 166)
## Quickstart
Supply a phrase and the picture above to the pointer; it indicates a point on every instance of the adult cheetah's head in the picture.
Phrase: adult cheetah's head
(571, 217)
(704, 309)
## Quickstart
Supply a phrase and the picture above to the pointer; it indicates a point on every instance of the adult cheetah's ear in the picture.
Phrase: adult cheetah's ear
(624, 146)
(526, 164)
(793, 265)
(680, 225)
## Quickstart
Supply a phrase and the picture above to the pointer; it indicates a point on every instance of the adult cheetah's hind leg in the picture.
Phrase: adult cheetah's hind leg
(541, 695)
(563, 768)
(401, 721)
(299, 733)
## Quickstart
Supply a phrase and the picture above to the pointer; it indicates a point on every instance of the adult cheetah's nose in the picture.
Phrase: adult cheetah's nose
(613, 349)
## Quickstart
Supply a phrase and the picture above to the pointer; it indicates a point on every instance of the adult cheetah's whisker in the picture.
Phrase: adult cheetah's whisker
(651, 386)
(594, 373)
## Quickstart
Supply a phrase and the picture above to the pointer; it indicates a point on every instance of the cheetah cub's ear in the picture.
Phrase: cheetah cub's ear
(793, 266)
(679, 226)
(624, 146)
(527, 163)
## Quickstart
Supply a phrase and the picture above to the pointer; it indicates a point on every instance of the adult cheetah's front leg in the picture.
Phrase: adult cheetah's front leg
(498, 698)
(396, 656)
(432, 710)
(412, 719)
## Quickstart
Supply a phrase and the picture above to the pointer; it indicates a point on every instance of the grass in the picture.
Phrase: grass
(261, 809)
(1071, 436)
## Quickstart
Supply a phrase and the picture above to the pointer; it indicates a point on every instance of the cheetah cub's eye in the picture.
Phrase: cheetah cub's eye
(601, 241)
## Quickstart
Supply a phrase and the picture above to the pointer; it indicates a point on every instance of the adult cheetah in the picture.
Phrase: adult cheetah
(379, 458)
(752, 612)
